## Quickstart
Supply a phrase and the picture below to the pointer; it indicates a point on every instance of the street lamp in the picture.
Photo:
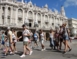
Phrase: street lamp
(35, 25)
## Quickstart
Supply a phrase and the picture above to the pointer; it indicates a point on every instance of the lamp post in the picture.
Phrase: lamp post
(35, 25)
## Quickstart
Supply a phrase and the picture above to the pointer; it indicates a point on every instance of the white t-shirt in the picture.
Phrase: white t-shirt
(13, 36)
(26, 32)
(51, 35)
(42, 35)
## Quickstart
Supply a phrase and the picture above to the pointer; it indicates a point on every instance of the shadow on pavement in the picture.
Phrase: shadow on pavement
(19, 53)
(37, 49)
(48, 49)
(69, 55)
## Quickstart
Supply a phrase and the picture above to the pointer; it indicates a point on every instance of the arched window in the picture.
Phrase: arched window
(3, 10)
(9, 11)
(39, 16)
(20, 15)
(30, 15)
(46, 17)
(19, 11)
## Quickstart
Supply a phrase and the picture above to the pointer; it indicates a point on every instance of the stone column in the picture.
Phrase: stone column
(54, 22)
(23, 16)
(27, 16)
(41, 22)
(44, 22)
(36, 17)
(48, 23)
(16, 17)
(11, 16)
(6, 15)
(33, 21)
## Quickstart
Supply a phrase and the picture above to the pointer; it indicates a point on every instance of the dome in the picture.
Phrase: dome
(46, 6)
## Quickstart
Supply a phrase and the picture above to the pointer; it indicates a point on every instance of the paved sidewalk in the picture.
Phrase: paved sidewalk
(47, 54)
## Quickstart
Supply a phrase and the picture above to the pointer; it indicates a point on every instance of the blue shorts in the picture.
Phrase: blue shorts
(66, 37)
(3, 42)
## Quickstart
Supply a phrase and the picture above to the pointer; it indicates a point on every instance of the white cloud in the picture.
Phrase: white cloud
(70, 3)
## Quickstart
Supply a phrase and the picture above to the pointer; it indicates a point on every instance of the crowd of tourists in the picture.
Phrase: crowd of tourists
(57, 37)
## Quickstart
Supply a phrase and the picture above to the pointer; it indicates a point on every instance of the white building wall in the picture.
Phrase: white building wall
(31, 13)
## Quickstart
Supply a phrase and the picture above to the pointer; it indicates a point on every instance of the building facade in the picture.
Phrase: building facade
(72, 23)
(14, 13)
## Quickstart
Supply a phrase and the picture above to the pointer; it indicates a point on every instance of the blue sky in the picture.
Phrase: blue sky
(69, 5)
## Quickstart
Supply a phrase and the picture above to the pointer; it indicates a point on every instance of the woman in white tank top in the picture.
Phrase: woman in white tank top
(51, 39)
(42, 37)
(14, 40)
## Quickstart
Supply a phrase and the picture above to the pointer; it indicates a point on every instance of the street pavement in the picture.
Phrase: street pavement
(47, 54)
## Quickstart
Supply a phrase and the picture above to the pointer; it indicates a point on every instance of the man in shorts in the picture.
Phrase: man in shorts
(26, 34)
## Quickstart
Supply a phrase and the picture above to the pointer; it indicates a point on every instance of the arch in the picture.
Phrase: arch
(39, 16)
(20, 15)
(46, 17)
(20, 10)
(9, 8)
(30, 14)
(30, 11)
(9, 11)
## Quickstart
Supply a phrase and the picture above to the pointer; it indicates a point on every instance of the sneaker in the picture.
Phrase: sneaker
(31, 52)
(15, 51)
(44, 49)
(11, 52)
(70, 50)
(64, 52)
(22, 56)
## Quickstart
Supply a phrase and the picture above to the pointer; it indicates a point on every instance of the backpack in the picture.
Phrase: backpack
(35, 36)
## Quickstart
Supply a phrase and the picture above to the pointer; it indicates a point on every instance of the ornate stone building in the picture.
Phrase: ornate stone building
(72, 23)
(14, 13)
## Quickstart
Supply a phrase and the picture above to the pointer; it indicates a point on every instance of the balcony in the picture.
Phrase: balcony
(20, 16)
(30, 18)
